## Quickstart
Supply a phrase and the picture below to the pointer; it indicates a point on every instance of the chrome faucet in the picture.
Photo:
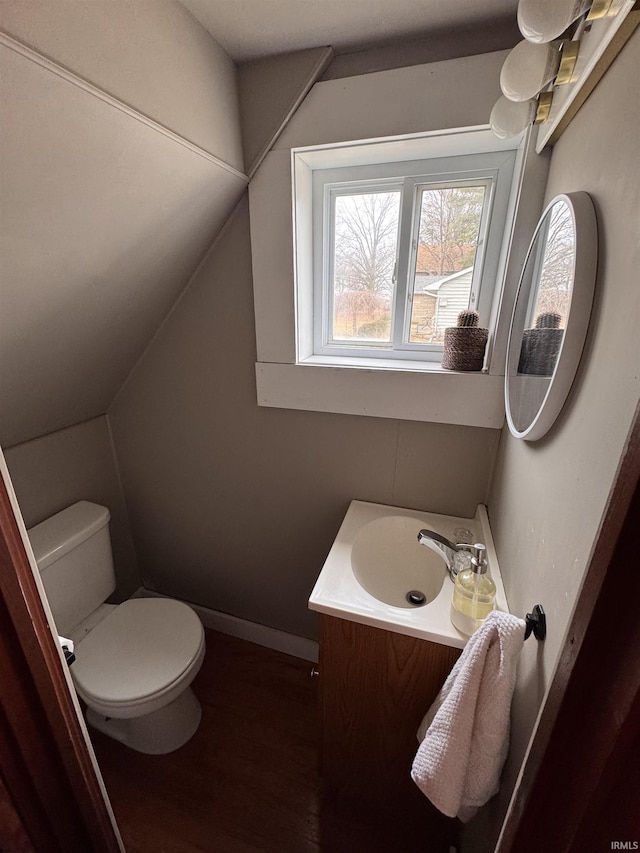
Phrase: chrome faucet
(450, 550)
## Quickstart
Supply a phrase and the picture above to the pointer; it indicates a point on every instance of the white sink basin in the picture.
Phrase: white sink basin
(376, 560)
(389, 562)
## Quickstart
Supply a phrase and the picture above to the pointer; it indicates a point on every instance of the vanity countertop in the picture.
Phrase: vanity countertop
(337, 591)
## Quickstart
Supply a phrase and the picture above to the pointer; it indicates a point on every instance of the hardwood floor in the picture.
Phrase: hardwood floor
(248, 781)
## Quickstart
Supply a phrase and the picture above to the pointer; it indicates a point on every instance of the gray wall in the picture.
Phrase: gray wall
(55, 471)
(548, 497)
(234, 506)
(269, 91)
(151, 54)
(110, 213)
(451, 43)
(109, 216)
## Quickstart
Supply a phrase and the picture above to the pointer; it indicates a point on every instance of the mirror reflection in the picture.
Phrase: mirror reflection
(540, 315)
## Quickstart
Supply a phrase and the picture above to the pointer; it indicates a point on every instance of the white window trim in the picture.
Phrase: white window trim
(471, 152)
(494, 169)
(439, 396)
(391, 390)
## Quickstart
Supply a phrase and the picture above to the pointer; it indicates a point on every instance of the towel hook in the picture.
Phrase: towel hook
(536, 623)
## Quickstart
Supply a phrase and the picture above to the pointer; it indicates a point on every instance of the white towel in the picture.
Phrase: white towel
(465, 734)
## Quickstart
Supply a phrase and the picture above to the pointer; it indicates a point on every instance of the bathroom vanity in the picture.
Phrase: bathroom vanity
(382, 660)
(375, 687)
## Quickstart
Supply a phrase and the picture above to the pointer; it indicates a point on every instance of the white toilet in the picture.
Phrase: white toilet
(134, 661)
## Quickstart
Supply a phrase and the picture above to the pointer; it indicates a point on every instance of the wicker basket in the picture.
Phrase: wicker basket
(465, 343)
(539, 352)
(541, 346)
(464, 348)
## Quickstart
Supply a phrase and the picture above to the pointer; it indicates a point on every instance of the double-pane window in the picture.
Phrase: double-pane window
(401, 249)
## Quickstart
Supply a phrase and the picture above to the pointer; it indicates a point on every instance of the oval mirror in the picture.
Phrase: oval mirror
(551, 315)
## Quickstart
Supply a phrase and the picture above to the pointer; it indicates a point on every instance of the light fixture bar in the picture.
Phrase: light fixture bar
(545, 101)
(599, 45)
(566, 70)
(599, 9)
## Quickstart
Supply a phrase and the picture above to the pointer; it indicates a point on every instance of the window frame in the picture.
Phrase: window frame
(407, 276)
(491, 169)
(498, 168)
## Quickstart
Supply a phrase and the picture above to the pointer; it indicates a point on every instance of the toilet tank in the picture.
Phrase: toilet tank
(73, 552)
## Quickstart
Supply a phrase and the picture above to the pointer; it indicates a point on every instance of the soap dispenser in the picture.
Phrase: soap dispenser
(474, 593)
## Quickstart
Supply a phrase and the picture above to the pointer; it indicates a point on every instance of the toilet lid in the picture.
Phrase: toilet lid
(139, 649)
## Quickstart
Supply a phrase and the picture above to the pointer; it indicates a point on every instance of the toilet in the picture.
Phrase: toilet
(135, 661)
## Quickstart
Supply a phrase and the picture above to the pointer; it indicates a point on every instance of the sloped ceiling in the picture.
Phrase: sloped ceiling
(251, 29)
(104, 218)
(150, 54)
(270, 91)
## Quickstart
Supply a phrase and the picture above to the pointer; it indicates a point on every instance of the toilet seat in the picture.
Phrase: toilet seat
(138, 657)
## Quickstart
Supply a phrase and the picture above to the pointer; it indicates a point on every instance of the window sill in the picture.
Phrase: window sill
(394, 390)
(364, 363)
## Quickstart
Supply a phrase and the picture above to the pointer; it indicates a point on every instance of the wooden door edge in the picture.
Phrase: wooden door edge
(616, 527)
(24, 604)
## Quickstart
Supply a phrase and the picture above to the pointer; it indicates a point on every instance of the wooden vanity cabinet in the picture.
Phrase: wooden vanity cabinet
(375, 688)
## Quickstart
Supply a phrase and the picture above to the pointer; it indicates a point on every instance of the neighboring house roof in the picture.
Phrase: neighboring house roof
(424, 281)
(434, 286)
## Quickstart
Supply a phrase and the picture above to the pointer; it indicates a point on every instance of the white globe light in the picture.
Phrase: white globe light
(528, 69)
(509, 118)
(541, 21)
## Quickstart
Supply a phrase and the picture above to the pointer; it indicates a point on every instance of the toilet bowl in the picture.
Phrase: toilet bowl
(135, 661)
(133, 671)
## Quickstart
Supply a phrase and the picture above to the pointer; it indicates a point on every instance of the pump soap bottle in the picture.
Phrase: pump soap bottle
(474, 593)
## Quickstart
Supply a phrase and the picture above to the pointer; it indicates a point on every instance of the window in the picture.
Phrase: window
(398, 249)
(395, 273)
(301, 361)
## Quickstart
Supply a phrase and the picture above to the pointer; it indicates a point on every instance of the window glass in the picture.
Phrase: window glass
(398, 250)
(365, 241)
(449, 229)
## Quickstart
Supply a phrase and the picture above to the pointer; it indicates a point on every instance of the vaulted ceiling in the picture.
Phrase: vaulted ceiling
(105, 219)
(112, 190)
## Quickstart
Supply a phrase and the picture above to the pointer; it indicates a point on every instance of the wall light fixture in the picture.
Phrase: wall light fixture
(567, 46)
(541, 21)
(509, 118)
(530, 68)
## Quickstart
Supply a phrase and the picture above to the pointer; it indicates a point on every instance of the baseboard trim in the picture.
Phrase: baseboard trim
(262, 635)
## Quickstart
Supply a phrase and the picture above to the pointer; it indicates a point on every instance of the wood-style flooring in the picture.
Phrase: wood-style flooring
(248, 781)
